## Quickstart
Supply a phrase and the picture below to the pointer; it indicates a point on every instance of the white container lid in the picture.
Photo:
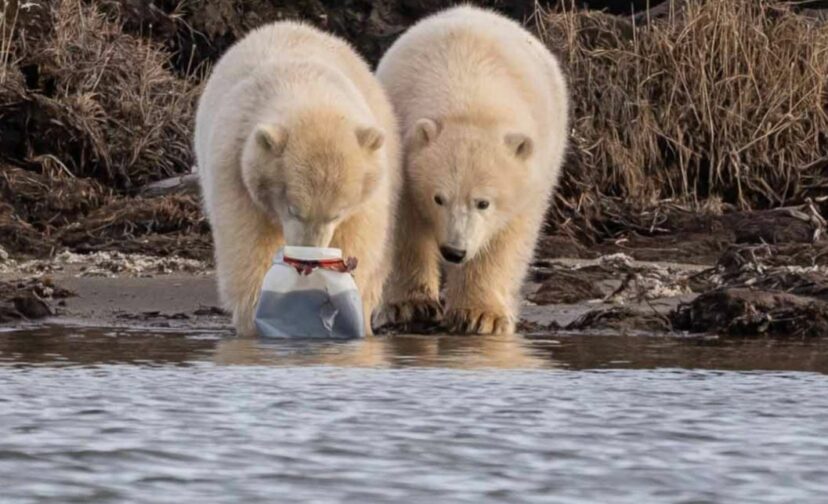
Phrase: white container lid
(312, 253)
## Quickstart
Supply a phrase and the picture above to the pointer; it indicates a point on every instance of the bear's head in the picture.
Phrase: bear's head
(311, 171)
(468, 179)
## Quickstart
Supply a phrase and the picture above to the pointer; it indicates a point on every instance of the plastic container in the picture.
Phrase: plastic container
(309, 293)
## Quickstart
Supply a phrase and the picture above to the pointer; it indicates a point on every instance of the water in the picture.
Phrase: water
(100, 416)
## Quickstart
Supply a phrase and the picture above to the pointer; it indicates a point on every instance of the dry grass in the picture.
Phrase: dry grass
(103, 102)
(720, 105)
(8, 21)
(726, 99)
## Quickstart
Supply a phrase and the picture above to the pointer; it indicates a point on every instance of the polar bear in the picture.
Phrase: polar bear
(296, 143)
(483, 111)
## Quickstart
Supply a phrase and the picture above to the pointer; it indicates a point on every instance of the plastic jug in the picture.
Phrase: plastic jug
(309, 293)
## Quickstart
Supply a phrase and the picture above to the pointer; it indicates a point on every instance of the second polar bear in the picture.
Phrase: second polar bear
(483, 110)
(296, 143)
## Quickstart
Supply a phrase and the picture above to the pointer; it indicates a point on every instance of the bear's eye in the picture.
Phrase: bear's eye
(293, 211)
(438, 199)
(482, 204)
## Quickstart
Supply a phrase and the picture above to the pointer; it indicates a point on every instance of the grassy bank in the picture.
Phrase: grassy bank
(712, 103)
(711, 106)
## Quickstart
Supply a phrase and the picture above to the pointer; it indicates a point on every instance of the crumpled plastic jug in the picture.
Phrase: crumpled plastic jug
(309, 292)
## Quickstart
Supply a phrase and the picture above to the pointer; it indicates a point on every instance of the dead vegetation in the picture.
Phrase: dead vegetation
(685, 120)
(96, 101)
(723, 99)
(88, 115)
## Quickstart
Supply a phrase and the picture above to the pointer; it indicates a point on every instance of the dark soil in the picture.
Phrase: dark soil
(621, 320)
(755, 289)
(750, 312)
(29, 299)
(676, 234)
(567, 287)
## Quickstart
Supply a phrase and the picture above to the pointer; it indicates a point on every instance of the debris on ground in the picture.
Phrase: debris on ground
(107, 264)
(615, 279)
(776, 290)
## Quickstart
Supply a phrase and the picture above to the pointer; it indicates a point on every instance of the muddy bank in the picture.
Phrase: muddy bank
(769, 278)
(182, 301)
(769, 292)
(776, 290)
(672, 232)
(755, 274)
(753, 291)
(110, 289)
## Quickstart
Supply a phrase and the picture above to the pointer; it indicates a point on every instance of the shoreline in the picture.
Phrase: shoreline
(749, 291)
(186, 299)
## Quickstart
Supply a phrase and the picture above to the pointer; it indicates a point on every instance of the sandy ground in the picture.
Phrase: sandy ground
(119, 296)
(122, 290)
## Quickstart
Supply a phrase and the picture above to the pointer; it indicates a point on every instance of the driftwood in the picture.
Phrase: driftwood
(183, 184)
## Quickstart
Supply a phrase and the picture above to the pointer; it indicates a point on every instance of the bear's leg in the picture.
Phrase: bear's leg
(413, 288)
(483, 295)
(245, 242)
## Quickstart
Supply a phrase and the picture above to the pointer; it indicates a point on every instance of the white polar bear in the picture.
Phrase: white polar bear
(296, 143)
(483, 111)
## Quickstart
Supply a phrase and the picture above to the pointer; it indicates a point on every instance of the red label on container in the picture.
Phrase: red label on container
(305, 267)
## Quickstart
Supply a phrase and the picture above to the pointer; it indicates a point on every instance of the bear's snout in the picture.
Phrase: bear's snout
(452, 254)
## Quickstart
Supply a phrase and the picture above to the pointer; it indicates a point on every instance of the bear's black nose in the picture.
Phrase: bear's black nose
(452, 254)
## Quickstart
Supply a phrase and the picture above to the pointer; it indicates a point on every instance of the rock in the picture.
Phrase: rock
(748, 312)
(32, 307)
(774, 226)
(621, 319)
(566, 287)
(184, 184)
(209, 311)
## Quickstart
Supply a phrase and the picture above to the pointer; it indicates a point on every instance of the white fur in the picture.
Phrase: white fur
(291, 112)
(483, 112)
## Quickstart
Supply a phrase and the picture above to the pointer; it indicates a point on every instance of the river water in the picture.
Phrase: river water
(125, 416)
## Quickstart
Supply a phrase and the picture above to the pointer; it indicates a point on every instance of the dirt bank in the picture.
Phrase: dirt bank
(753, 291)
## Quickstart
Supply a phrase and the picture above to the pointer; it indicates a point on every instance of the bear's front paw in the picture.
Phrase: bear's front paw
(477, 321)
(412, 310)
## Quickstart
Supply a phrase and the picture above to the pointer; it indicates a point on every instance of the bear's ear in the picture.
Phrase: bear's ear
(370, 138)
(520, 145)
(272, 137)
(424, 132)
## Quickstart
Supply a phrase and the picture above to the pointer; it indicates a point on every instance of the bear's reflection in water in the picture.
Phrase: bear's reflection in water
(490, 351)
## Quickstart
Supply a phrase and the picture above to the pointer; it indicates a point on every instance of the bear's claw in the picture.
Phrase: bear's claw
(473, 321)
(421, 310)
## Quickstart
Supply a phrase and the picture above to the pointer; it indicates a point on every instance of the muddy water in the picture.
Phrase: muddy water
(107, 416)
